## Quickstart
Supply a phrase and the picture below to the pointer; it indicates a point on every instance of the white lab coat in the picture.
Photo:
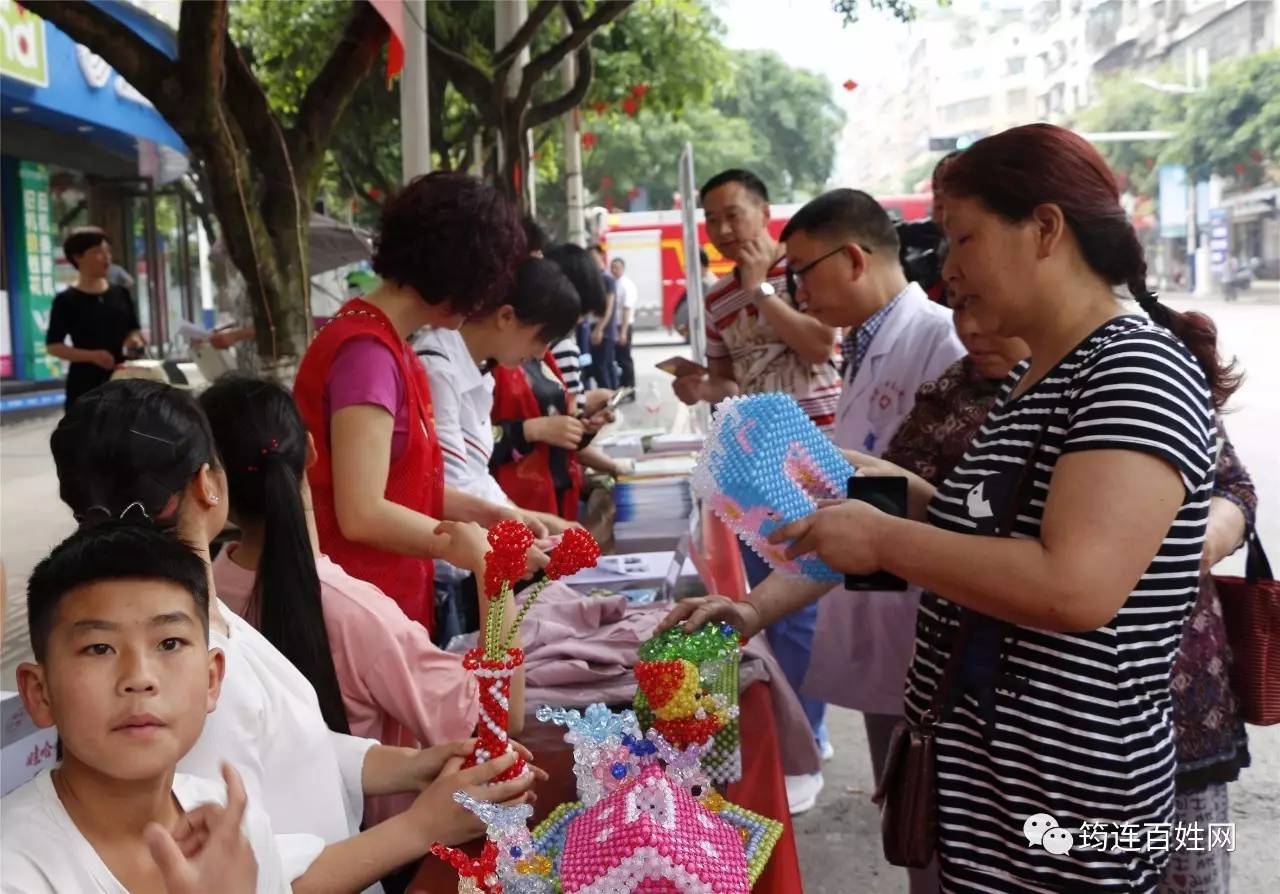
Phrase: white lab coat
(864, 641)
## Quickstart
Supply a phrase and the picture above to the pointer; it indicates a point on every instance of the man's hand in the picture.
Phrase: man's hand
(564, 432)
(624, 336)
(597, 334)
(104, 359)
(209, 852)
(468, 544)
(755, 259)
(693, 613)
(135, 341)
(691, 389)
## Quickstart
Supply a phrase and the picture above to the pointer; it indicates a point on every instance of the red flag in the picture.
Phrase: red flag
(392, 12)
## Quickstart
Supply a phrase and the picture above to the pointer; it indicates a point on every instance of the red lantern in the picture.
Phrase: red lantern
(1256, 155)
(599, 107)
(588, 140)
(850, 85)
(630, 106)
(1151, 163)
(375, 193)
(606, 182)
(639, 90)
(1240, 169)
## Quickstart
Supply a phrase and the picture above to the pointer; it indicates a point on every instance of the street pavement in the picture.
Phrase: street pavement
(838, 840)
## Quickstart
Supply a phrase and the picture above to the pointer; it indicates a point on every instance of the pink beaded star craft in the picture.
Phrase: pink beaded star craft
(652, 837)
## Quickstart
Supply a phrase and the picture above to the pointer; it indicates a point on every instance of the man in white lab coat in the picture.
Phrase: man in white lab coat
(842, 252)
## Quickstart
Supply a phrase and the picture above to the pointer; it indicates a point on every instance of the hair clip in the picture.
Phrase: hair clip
(136, 504)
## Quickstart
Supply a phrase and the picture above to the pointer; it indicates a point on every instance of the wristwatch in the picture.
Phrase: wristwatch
(764, 290)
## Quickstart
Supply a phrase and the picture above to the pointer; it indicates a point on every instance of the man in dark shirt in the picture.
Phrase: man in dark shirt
(604, 334)
(100, 318)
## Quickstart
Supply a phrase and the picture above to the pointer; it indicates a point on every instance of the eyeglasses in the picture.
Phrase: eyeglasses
(794, 277)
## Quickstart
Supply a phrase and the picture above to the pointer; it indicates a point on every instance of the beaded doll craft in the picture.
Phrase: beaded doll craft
(765, 465)
(494, 660)
(688, 692)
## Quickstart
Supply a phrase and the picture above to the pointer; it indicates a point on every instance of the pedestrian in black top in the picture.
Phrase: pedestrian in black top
(100, 317)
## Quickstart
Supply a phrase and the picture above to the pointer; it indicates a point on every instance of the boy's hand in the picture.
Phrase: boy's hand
(443, 820)
(426, 766)
(213, 855)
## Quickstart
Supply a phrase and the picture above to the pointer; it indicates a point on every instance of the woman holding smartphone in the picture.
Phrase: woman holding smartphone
(1063, 635)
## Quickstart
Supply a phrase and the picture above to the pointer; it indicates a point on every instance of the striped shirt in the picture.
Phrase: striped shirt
(569, 361)
(1083, 730)
(762, 362)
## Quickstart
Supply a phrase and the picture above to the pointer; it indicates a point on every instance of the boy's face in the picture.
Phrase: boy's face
(127, 677)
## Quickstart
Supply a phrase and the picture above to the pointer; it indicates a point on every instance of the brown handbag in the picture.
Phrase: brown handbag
(907, 792)
(1251, 613)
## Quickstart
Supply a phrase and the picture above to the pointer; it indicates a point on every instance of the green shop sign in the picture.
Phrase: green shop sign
(33, 272)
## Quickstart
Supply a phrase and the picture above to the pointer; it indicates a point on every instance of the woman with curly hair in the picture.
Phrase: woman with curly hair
(447, 250)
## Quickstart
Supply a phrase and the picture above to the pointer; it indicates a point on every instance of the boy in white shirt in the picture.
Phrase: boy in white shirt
(119, 619)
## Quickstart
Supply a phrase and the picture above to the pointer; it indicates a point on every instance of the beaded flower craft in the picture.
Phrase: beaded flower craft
(688, 692)
(495, 660)
(765, 464)
(602, 758)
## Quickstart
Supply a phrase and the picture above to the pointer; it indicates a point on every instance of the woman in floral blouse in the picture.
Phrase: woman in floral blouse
(1208, 731)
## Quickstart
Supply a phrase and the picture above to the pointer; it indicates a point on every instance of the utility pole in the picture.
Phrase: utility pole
(415, 120)
(576, 228)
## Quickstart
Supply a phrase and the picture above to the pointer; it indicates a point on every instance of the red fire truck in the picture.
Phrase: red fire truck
(652, 244)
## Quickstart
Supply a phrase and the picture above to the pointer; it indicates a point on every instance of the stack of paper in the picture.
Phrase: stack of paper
(683, 443)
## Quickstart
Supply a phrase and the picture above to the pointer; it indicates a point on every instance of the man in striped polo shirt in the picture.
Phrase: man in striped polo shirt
(759, 340)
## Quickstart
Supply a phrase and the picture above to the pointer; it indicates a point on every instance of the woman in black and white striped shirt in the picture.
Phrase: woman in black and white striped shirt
(1061, 703)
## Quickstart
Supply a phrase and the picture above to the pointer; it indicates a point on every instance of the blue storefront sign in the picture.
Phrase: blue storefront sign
(81, 94)
(1219, 239)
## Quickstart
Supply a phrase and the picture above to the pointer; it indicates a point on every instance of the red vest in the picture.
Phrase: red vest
(528, 481)
(415, 480)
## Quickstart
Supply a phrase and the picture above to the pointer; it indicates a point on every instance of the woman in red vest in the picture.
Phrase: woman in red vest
(447, 249)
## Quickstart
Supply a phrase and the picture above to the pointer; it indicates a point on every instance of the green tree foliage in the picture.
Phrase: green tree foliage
(795, 114)
(1124, 104)
(1232, 128)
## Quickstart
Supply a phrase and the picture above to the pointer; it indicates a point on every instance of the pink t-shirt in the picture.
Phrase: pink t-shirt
(397, 686)
(365, 372)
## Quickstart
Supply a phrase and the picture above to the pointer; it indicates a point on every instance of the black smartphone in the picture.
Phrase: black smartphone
(888, 495)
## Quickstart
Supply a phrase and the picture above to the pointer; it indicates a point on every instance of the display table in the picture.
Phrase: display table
(761, 790)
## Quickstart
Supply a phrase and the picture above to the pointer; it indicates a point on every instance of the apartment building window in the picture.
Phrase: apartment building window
(969, 108)
(1017, 100)
(1016, 65)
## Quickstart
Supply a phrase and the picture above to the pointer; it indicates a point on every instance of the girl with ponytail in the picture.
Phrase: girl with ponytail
(1061, 555)
(374, 669)
(143, 451)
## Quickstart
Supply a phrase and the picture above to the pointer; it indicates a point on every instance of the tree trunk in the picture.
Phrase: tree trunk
(513, 174)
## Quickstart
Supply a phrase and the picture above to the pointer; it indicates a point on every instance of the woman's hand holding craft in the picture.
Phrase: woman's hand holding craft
(841, 532)
(693, 613)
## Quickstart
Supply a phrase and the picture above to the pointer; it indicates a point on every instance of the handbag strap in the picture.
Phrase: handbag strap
(1256, 565)
(1021, 496)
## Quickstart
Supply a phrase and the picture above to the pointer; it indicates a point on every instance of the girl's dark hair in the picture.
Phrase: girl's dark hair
(263, 443)
(130, 447)
(581, 268)
(453, 239)
(1013, 172)
(545, 297)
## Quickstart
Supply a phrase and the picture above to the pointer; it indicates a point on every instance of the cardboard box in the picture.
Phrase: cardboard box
(25, 749)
